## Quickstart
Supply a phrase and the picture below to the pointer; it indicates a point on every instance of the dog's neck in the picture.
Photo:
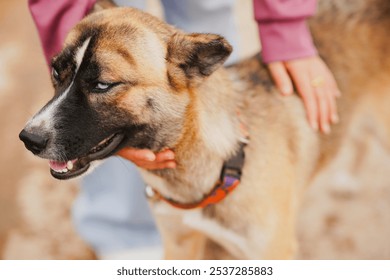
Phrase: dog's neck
(210, 136)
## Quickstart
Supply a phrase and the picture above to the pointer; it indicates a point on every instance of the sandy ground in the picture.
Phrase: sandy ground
(344, 216)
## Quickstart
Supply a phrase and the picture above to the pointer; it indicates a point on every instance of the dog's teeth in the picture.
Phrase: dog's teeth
(69, 165)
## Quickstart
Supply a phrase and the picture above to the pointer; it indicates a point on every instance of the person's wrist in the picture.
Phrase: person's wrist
(285, 40)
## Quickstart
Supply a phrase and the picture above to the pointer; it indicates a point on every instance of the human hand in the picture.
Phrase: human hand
(314, 83)
(149, 160)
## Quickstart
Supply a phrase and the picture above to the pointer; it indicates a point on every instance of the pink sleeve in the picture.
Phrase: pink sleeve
(54, 19)
(283, 31)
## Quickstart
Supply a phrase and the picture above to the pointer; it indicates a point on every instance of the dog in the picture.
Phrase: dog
(126, 79)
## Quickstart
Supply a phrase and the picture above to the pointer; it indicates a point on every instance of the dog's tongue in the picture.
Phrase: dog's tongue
(60, 165)
(57, 165)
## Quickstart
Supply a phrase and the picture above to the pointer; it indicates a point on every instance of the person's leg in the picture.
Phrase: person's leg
(207, 16)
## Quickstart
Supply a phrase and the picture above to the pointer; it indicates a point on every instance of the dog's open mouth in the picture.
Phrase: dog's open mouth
(75, 167)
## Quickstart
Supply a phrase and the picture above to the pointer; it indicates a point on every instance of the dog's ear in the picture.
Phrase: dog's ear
(197, 55)
(102, 5)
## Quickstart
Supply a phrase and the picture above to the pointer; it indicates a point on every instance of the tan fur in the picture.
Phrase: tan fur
(258, 220)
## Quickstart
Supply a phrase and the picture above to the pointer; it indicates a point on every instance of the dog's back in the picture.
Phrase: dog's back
(346, 171)
(347, 205)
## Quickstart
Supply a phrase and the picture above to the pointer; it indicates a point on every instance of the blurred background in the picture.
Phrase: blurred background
(344, 216)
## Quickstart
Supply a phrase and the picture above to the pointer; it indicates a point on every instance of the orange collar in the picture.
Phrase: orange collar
(219, 192)
(229, 180)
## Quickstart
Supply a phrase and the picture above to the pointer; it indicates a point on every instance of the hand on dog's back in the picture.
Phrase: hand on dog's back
(314, 83)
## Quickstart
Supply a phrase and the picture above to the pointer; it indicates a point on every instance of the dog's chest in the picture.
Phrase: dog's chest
(237, 244)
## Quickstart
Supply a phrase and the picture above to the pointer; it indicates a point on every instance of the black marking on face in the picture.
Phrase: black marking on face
(65, 66)
(65, 62)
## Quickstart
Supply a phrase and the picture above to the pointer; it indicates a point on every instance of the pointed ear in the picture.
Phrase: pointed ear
(197, 55)
(102, 5)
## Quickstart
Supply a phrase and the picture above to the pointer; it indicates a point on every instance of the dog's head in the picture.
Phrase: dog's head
(123, 78)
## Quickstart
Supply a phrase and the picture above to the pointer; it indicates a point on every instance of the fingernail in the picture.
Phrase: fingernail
(335, 118)
(169, 156)
(314, 125)
(150, 157)
(286, 90)
(326, 128)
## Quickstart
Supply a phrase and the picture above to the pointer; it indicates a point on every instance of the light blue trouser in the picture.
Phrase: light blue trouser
(111, 213)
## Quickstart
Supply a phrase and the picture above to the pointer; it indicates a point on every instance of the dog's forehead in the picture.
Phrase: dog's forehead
(119, 46)
(141, 45)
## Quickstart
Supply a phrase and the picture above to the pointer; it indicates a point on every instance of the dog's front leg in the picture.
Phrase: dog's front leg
(179, 240)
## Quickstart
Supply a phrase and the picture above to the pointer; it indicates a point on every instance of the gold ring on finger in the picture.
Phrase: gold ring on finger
(317, 82)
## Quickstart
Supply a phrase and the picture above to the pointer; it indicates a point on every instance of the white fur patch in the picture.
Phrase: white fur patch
(46, 116)
(80, 54)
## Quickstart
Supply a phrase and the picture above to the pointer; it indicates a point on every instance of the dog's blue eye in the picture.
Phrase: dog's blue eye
(102, 86)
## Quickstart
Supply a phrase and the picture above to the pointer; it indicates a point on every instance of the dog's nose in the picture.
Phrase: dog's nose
(33, 142)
